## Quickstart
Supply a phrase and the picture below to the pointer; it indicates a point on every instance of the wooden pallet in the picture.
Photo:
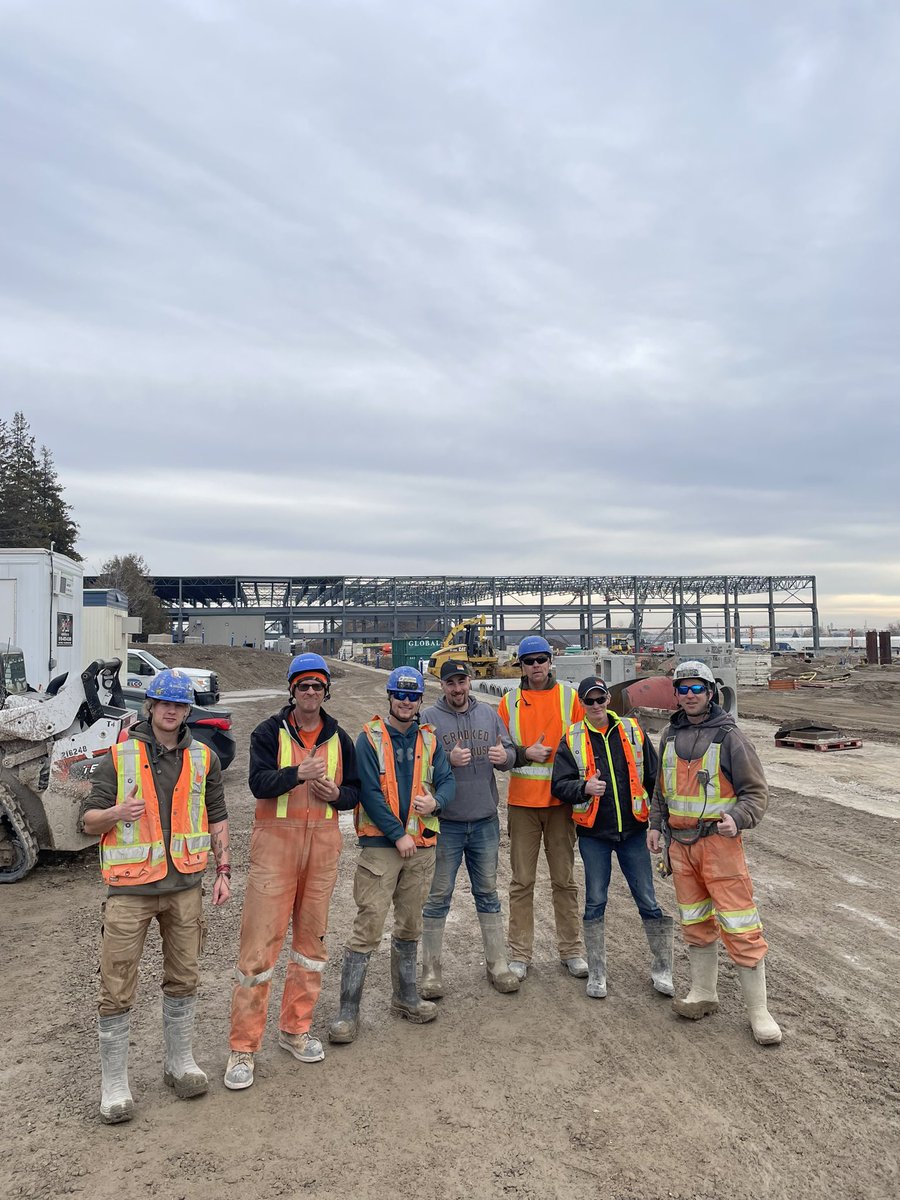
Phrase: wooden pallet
(820, 743)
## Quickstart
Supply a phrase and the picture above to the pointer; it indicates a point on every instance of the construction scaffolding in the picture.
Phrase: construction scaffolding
(590, 611)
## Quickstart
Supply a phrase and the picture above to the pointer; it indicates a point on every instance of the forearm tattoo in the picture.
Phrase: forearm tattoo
(218, 837)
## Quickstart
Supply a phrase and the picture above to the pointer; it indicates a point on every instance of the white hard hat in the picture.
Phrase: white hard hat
(693, 669)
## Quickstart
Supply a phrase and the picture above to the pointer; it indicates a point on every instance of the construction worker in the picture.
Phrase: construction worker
(406, 782)
(710, 788)
(477, 744)
(157, 804)
(302, 773)
(537, 713)
(605, 769)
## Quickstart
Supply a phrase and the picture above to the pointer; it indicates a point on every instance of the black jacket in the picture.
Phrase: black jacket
(612, 822)
(268, 780)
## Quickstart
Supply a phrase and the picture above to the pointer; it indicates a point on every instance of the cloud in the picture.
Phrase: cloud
(386, 287)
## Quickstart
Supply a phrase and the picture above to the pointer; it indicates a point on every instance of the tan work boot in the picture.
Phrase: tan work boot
(239, 1071)
(753, 986)
(703, 999)
(498, 972)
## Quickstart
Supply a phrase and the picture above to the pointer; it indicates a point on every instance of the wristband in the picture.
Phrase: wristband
(225, 870)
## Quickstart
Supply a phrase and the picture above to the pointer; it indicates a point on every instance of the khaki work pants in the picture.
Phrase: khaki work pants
(715, 898)
(293, 870)
(382, 878)
(126, 919)
(528, 827)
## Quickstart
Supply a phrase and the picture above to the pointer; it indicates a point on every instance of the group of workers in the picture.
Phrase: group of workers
(422, 785)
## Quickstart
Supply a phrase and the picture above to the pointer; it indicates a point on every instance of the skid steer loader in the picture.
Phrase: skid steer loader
(49, 744)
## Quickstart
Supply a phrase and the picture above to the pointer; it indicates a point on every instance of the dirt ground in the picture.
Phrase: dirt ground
(542, 1094)
(236, 666)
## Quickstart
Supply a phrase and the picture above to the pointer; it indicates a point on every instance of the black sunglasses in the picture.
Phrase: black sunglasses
(596, 699)
(309, 687)
(532, 659)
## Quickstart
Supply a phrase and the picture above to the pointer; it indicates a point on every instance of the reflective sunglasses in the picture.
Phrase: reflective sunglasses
(683, 689)
(596, 699)
(312, 685)
(536, 658)
(404, 694)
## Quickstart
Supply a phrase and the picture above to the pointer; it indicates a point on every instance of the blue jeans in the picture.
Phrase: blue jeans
(479, 843)
(634, 859)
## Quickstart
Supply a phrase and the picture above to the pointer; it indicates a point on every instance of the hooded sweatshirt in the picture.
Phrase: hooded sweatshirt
(476, 729)
(739, 764)
(166, 767)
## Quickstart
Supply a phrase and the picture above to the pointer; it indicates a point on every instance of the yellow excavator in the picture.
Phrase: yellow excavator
(469, 642)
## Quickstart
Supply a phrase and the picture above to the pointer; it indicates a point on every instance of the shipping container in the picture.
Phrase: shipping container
(408, 652)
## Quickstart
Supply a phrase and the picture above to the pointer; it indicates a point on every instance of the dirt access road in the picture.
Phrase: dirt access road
(541, 1094)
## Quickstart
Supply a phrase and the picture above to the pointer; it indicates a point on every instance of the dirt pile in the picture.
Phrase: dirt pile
(237, 667)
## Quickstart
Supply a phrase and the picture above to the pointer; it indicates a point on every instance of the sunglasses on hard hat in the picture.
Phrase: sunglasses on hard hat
(684, 689)
(535, 659)
(404, 694)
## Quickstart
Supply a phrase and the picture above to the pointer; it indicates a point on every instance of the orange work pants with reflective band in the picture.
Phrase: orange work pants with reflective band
(293, 870)
(715, 896)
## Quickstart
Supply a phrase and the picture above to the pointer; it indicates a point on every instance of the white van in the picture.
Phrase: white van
(144, 666)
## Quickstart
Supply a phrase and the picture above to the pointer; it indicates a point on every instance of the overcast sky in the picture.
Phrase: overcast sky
(374, 286)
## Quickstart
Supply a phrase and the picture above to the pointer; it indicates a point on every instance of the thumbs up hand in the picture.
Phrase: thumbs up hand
(497, 754)
(538, 752)
(131, 809)
(595, 786)
(460, 756)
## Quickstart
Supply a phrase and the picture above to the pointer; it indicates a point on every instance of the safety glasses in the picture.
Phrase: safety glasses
(589, 700)
(690, 689)
(309, 686)
(535, 659)
(404, 694)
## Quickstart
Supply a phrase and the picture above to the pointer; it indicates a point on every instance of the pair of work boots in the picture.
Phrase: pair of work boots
(405, 999)
(180, 1072)
(660, 933)
(703, 998)
(495, 963)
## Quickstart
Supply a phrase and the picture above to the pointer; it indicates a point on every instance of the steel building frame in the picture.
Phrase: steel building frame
(589, 610)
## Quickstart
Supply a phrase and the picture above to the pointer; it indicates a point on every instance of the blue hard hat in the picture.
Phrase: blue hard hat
(534, 644)
(405, 679)
(304, 663)
(172, 685)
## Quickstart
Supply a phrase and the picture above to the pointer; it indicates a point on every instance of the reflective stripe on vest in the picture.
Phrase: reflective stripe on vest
(423, 774)
(286, 759)
(632, 738)
(140, 843)
(566, 705)
(710, 802)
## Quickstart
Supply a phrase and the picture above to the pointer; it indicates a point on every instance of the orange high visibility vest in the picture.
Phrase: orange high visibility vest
(527, 714)
(688, 801)
(423, 830)
(632, 736)
(290, 754)
(132, 852)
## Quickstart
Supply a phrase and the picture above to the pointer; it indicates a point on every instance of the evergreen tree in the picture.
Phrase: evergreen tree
(32, 509)
(129, 573)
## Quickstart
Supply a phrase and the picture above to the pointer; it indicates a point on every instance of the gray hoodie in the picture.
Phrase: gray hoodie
(476, 729)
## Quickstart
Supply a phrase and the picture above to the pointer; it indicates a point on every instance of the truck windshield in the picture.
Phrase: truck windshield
(154, 661)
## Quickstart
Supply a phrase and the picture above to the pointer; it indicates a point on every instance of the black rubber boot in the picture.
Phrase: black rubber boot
(406, 1001)
(353, 975)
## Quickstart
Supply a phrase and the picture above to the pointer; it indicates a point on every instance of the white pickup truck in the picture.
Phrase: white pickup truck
(143, 666)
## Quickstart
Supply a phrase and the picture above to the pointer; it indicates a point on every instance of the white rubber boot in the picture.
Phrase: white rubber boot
(753, 986)
(116, 1104)
(498, 972)
(703, 999)
(431, 986)
(660, 933)
(181, 1072)
(595, 944)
